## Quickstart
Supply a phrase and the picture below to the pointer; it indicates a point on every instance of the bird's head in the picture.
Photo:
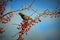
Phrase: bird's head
(20, 14)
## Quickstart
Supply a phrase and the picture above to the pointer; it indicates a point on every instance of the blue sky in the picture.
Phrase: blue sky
(43, 29)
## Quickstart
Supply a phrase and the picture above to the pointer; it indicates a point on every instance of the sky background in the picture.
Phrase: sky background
(47, 29)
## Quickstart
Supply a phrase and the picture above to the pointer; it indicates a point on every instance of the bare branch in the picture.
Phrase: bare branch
(26, 8)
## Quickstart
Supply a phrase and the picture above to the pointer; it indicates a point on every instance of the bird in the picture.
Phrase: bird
(25, 17)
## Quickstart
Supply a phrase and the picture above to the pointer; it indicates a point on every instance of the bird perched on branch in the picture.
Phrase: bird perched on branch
(25, 17)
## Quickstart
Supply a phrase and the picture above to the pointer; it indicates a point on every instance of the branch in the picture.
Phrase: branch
(26, 8)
